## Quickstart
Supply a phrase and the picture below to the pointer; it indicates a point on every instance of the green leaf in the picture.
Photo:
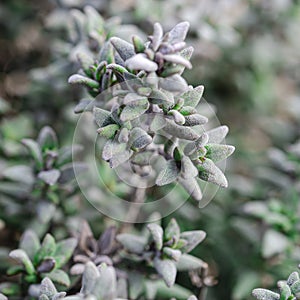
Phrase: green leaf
(217, 152)
(21, 256)
(274, 243)
(59, 276)
(193, 97)
(109, 131)
(35, 151)
(79, 79)
(20, 173)
(102, 117)
(193, 239)
(64, 251)
(48, 248)
(169, 174)
(132, 243)
(47, 139)
(188, 262)
(208, 171)
(30, 243)
(134, 109)
(49, 177)
(138, 44)
(157, 235)
(166, 269)
(172, 231)
(86, 62)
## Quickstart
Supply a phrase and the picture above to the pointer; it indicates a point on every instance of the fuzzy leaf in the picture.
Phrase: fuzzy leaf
(124, 49)
(138, 44)
(168, 174)
(188, 262)
(134, 109)
(217, 135)
(64, 251)
(102, 117)
(217, 152)
(192, 187)
(166, 269)
(21, 256)
(262, 294)
(208, 171)
(132, 243)
(139, 139)
(193, 239)
(49, 177)
(179, 32)
(109, 131)
(177, 59)
(20, 173)
(172, 253)
(47, 288)
(181, 132)
(35, 151)
(79, 79)
(157, 235)
(157, 36)
(60, 277)
(47, 138)
(195, 119)
(106, 284)
(193, 97)
(141, 62)
(293, 278)
(188, 170)
(89, 278)
(172, 231)
(48, 248)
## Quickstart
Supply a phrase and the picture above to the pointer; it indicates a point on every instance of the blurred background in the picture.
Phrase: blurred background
(247, 55)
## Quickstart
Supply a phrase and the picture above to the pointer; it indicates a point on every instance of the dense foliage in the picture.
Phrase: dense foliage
(131, 71)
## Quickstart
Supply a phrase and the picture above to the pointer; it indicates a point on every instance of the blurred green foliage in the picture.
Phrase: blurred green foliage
(247, 57)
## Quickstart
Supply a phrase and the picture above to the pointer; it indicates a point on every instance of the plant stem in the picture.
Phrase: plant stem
(139, 197)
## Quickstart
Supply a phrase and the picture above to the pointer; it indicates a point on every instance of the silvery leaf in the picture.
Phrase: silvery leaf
(50, 177)
(166, 269)
(124, 49)
(208, 171)
(141, 62)
(168, 174)
(217, 152)
(193, 238)
(177, 59)
(157, 235)
(188, 262)
(192, 187)
(134, 109)
(102, 117)
(193, 96)
(179, 32)
(263, 294)
(194, 120)
(139, 139)
(79, 79)
(157, 36)
(218, 134)
(181, 132)
(132, 243)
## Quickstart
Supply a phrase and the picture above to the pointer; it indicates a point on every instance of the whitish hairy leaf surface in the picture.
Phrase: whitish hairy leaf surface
(166, 269)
